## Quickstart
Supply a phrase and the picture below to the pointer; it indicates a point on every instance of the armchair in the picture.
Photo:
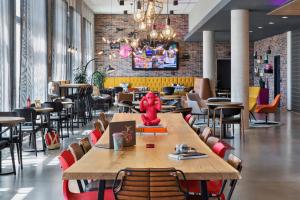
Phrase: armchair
(253, 94)
(269, 108)
(197, 104)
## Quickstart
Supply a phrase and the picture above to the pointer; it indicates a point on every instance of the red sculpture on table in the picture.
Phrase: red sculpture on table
(151, 104)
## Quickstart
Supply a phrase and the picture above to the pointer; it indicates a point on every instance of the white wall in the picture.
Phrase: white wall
(200, 10)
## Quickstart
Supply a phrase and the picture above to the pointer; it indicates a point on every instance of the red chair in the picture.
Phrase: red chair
(187, 118)
(66, 160)
(219, 149)
(95, 136)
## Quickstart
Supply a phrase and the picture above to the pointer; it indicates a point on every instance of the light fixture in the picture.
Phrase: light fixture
(250, 31)
(175, 2)
(284, 17)
(168, 32)
(271, 23)
(153, 34)
(109, 69)
(121, 2)
(260, 27)
(139, 15)
(125, 12)
(134, 43)
(142, 26)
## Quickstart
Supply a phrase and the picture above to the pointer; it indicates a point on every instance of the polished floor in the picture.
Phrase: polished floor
(271, 159)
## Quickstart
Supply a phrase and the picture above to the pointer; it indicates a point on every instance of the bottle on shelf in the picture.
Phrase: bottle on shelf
(28, 102)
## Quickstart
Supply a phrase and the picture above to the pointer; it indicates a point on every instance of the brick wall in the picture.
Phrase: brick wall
(278, 44)
(192, 67)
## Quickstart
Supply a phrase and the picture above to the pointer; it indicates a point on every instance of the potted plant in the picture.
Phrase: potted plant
(80, 75)
(98, 79)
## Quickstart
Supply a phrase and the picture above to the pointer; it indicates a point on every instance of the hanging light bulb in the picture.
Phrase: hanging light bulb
(134, 43)
(142, 26)
(168, 31)
(153, 33)
(139, 15)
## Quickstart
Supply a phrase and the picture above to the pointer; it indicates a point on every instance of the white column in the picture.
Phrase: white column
(209, 58)
(240, 60)
(289, 70)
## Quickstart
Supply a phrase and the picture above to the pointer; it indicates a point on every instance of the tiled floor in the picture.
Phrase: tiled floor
(271, 158)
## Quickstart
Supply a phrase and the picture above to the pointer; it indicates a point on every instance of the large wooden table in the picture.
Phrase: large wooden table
(103, 164)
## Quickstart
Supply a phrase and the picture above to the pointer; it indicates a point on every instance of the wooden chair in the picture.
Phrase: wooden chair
(211, 141)
(76, 151)
(146, 184)
(104, 121)
(229, 115)
(85, 144)
(205, 134)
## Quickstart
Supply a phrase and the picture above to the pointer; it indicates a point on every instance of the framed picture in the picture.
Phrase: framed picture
(128, 130)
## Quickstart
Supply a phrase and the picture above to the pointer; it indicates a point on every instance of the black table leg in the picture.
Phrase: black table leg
(101, 190)
(204, 193)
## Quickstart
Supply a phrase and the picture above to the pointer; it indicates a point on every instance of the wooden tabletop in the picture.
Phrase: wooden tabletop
(171, 97)
(104, 164)
(11, 120)
(224, 103)
(163, 107)
(74, 85)
(43, 110)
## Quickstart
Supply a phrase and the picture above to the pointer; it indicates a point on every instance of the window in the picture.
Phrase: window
(17, 53)
(5, 45)
(88, 50)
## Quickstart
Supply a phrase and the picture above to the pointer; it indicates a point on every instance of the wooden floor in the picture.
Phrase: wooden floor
(271, 160)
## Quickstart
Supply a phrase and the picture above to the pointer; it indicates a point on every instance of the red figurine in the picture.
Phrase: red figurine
(151, 104)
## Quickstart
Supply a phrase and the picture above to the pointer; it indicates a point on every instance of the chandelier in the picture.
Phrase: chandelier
(146, 12)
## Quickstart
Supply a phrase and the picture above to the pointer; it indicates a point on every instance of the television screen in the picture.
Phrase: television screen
(160, 58)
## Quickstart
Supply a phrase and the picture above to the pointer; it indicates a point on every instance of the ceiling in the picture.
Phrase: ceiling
(291, 8)
(113, 6)
(219, 20)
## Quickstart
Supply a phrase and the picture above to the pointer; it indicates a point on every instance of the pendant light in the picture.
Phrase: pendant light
(153, 34)
(168, 32)
(139, 15)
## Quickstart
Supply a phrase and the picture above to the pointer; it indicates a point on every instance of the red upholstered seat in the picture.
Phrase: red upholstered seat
(95, 136)
(66, 160)
(108, 194)
(187, 118)
(219, 149)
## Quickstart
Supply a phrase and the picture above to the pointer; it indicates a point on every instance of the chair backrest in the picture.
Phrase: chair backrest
(57, 106)
(253, 94)
(229, 111)
(29, 114)
(168, 90)
(207, 132)
(85, 144)
(104, 120)
(76, 151)
(276, 101)
(149, 184)
(219, 149)
(211, 141)
(192, 121)
(187, 118)
(236, 163)
(218, 99)
(127, 97)
(8, 114)
(66, 159)
(95, 136)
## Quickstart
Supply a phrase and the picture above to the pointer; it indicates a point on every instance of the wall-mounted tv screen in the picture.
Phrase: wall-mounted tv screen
(163, 57)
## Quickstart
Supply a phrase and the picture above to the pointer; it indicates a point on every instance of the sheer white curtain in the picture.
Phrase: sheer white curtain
(4, 56)
(76, 40)
(59, 63)
(33, 76)
(88, 47)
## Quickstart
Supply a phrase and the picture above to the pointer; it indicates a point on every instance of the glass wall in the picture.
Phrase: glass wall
(33, 71)
(5, 47)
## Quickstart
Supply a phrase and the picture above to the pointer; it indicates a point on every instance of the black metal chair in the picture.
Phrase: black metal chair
(30, 126)
(168, 90)
(3, 145)
(16, 136)
(57, 116)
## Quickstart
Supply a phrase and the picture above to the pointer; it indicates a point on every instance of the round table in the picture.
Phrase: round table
(43, 110)
(11, 121)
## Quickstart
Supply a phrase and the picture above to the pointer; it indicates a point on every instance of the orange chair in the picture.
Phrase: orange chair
(269, 108)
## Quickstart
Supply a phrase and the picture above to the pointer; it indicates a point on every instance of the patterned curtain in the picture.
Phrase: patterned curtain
(5, 101)
(33, 79)
(59, 62)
